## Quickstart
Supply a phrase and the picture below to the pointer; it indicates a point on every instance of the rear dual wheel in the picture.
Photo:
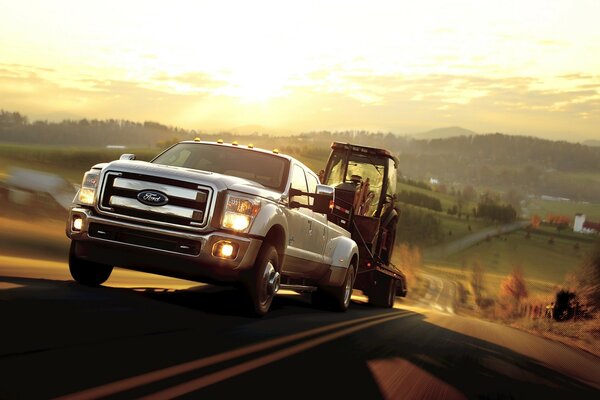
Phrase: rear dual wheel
(383, 293)
(336, 298)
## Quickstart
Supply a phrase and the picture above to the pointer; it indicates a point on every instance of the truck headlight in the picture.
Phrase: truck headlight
(239, 213)
(87, 193)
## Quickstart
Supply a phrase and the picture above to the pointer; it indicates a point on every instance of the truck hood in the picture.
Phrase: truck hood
(219, 181)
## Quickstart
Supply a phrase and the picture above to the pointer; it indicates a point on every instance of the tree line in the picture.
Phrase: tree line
(530, 165)
(420, 200)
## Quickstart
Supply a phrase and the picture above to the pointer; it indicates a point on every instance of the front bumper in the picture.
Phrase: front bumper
(161, 251)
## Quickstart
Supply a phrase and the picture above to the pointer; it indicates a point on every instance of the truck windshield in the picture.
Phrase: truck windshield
(266, 169)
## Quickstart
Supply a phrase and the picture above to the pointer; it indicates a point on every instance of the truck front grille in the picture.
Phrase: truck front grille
(187, 204)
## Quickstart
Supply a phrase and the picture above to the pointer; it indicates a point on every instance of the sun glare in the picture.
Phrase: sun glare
(257, 83)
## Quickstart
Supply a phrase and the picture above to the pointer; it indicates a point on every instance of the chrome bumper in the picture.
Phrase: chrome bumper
(201, 265)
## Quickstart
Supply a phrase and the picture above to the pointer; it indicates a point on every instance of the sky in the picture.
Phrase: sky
(517, 67)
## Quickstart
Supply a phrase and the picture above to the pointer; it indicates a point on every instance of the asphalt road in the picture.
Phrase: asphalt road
(441, 294)
(152, 337)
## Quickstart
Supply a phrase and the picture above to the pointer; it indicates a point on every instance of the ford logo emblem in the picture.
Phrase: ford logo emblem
(152, 198)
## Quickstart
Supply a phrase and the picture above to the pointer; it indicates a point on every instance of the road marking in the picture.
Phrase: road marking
(150, 377)
(227, 373)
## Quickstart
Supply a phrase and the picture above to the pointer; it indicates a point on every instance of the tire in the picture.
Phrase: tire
(260, 297)
(383, 293)
(336, 298)
(386, 255)
(86, 272)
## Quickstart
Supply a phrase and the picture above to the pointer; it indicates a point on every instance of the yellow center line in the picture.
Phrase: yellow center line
(147, 378)
(207, 380)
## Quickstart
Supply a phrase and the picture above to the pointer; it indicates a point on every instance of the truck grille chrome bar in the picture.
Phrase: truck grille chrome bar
(169, 190)
(175, 211)
(188, 203)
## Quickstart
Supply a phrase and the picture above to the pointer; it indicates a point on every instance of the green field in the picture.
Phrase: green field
(545, 265)
(459, 227)
(69, 163)
(452, 227)
(568, 208)
(446, 199)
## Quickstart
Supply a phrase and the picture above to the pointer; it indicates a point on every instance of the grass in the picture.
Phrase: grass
(69, 163)
(545, 265)
(447, 200)
(568, 208)
(459, 226)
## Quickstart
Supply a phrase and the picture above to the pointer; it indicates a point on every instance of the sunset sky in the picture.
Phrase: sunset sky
(519, 67)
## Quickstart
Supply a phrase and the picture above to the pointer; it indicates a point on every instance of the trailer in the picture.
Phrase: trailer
(364, 202)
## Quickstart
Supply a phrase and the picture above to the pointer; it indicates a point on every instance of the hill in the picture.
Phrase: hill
(497, 162)
(593, 143)
(442, 133)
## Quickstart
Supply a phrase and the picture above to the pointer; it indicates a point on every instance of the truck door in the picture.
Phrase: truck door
(318, 232)
(296, 253)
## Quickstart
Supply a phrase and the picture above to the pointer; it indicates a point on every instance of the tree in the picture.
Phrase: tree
(468, 193)
(513, 197)
(587, 280)
(477, 281)
(565, 305)
(513, 290)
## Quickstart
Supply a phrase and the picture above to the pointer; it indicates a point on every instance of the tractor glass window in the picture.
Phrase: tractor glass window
(367, 172)
(336, 174)
(392, 177)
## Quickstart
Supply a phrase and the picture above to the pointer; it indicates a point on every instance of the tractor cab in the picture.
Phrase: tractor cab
(364, 176)
(364, 179)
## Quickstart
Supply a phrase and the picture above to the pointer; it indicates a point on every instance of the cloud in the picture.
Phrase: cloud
(329, 98)
(198, 80)
(577, 76)
(550, 42)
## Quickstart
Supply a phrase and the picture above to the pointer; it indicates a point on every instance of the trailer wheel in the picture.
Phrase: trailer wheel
(383, 293)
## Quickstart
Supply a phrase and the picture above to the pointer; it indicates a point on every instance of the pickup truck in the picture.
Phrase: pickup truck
(216, 213)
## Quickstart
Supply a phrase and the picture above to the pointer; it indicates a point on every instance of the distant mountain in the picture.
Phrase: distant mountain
(442, 133)
(254, 129)
(593, 143)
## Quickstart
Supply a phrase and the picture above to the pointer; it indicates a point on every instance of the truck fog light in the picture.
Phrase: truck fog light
(77, 223)
(225, 249)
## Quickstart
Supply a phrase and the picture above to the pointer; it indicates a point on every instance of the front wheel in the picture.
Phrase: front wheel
(86, 272)
(263, 281)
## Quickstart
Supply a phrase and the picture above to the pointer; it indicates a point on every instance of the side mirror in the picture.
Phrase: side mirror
(127, 157)
(325, 189)
(295, 192)
(323, 199)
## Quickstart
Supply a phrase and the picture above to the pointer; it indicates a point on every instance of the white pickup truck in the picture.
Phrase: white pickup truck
(216, 213)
